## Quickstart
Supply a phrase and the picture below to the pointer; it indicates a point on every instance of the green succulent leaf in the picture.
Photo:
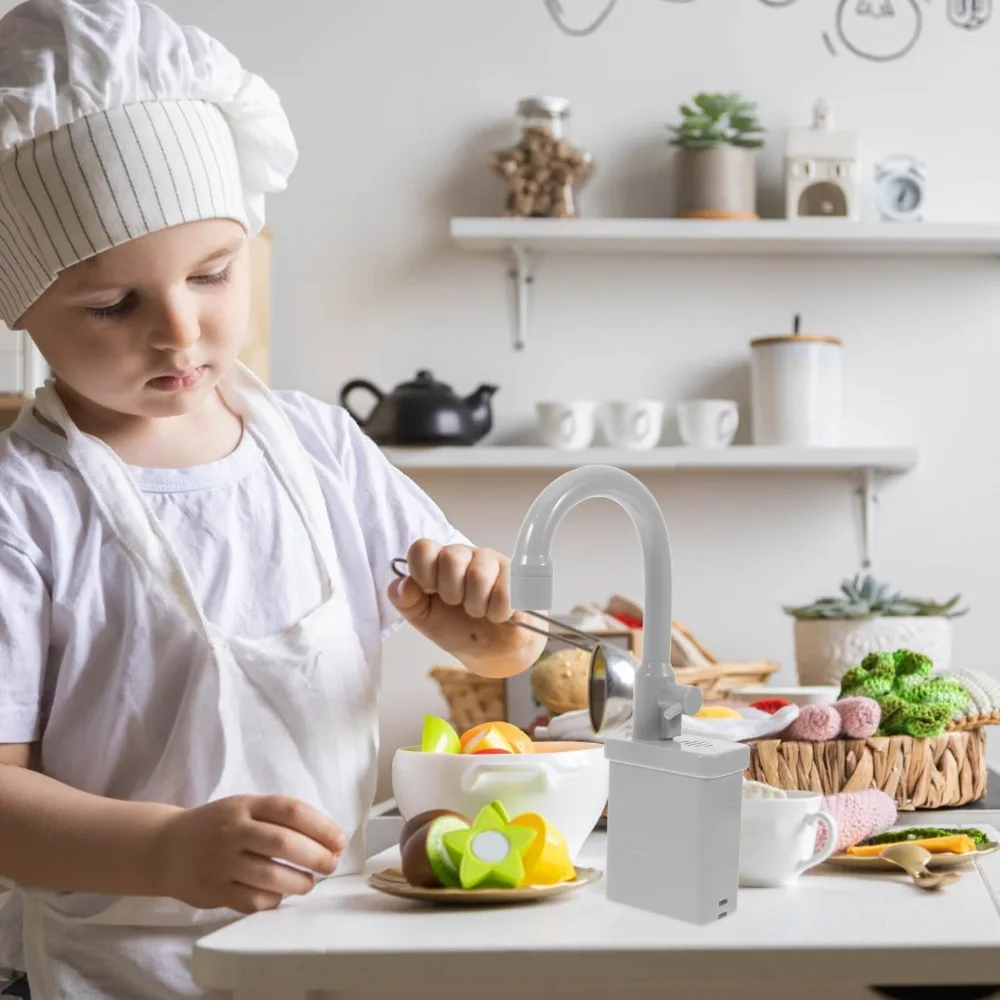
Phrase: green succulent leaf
(712, 119)
(865, 597)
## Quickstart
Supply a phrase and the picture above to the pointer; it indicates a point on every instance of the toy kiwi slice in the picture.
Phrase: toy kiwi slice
(426, 861)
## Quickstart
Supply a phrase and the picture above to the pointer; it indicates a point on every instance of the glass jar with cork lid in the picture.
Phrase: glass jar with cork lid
(543, 168)
(796, 388)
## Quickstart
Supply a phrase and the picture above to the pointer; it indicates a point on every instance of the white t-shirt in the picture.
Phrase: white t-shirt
(78, 667)
(68, 591)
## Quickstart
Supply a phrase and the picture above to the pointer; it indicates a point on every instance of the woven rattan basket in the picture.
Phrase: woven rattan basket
(472, 699)
(948, 770)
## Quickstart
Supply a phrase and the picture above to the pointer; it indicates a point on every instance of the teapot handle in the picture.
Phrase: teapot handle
(360, 383)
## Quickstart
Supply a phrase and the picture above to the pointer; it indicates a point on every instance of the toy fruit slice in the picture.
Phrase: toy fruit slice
(491, 851)
(487, 739)
(427, 861)
(439, 736)
(547, 859)
(498, 807)
(717, 712)
(518, 740)
(414, 823)
(956, 844)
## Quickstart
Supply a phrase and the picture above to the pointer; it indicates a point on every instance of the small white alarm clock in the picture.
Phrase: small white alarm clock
(900, 189)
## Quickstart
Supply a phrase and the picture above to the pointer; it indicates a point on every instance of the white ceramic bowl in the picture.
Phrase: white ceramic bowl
(821, 694)
(567, 783)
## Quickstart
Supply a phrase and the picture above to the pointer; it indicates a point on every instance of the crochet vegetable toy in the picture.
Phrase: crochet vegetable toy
(854, 718)
(913, 703)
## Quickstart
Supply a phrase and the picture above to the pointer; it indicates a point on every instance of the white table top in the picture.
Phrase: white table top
(841, 927)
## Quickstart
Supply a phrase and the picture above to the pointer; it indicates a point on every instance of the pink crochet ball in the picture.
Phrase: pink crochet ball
(814, 724)
(859, 717)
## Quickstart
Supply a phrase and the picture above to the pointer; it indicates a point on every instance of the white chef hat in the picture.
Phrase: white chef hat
(116, 122)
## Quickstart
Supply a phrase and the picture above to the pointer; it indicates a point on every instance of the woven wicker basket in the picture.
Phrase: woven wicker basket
(948, 770)
(472, 699)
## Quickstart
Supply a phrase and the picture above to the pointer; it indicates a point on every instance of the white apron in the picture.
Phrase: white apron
(293, 713)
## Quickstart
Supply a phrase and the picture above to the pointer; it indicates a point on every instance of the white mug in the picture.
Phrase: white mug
(635, 424)
(778, 838)
(708, 423)
(566, 425)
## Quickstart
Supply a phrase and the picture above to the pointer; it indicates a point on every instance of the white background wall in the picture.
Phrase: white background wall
(396, 105)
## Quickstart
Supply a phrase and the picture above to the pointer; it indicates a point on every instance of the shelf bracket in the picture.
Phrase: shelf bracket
(868, 499)
(522, 273)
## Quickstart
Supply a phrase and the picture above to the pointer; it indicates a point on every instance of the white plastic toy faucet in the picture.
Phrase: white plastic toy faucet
(674, 802)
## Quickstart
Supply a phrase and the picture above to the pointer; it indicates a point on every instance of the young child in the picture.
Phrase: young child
(195, 571)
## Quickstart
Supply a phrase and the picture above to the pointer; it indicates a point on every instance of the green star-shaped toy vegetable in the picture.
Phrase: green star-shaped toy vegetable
(491, 851)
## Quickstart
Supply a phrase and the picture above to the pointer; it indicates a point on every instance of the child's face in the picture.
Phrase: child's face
(147, 329)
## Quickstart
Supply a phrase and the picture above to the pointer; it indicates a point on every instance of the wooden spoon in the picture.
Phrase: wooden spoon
(913, 858)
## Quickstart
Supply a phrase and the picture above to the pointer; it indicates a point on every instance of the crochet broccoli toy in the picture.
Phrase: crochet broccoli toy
(913, 702)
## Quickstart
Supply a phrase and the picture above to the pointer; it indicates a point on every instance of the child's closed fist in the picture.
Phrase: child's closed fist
(459, 598)
(237, 852)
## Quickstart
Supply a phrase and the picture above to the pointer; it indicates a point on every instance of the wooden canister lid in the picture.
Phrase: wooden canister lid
(796, 337)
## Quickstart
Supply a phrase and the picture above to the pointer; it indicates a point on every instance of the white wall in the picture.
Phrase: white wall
(396, 105)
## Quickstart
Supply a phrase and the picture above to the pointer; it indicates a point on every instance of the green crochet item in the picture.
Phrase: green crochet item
(913, 703)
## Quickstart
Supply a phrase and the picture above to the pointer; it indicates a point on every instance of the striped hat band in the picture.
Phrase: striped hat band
(105, 179)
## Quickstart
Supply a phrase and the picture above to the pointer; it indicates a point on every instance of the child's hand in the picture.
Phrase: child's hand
(459, 598)
(229, 853)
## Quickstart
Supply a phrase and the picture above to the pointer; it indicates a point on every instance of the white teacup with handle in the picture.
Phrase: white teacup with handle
(708, 423)
(778, 838)
(566, 424)
(635, 424)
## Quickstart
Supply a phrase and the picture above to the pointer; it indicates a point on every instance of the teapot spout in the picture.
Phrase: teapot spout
(479, 407)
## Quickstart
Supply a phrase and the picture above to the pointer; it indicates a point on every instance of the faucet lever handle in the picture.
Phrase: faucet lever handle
(675, 701)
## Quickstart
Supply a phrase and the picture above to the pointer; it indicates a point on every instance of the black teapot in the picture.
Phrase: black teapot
(423, 412)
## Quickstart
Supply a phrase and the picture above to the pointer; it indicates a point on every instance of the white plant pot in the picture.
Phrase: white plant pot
(825, 649)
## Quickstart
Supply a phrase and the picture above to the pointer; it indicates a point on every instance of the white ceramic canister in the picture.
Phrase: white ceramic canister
(796, 389)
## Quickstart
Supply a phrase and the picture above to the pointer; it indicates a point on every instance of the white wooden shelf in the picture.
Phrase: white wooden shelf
(868, 466)
(884, 460)
(820, 237)
(523, 240)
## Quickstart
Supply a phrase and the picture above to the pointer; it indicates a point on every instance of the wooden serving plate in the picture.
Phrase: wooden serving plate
(391, 882)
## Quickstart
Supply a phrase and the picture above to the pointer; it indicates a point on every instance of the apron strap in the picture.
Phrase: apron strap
(122, 505)
(125, 509)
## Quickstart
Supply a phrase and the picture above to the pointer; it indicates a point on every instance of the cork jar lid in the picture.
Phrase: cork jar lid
(796, 337)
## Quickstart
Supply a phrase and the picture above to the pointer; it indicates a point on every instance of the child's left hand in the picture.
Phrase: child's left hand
(459, 598)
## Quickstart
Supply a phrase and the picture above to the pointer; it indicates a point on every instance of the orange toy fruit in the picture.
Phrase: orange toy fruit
(488, 738)
(510, 737)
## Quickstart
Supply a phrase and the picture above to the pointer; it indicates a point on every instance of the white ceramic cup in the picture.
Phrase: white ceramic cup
(778, 838)
(566, 425)
(635, 424)
(708, 423)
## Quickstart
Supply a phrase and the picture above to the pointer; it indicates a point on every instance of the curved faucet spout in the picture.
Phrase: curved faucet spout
(658, 701)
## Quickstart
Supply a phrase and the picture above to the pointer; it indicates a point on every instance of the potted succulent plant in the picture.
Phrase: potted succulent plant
(717, 141)
(834, 634)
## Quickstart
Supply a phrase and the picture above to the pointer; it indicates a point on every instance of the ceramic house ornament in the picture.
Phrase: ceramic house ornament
(821, 170)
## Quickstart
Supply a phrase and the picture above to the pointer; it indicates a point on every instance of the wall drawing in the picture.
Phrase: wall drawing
(878, 30)
(969, 14)
(875, 30)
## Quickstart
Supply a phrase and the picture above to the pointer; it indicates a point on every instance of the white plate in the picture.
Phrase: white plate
(937, 861)
(819, 695)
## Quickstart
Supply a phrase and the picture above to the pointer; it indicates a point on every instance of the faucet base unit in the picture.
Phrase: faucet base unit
(674, 825)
